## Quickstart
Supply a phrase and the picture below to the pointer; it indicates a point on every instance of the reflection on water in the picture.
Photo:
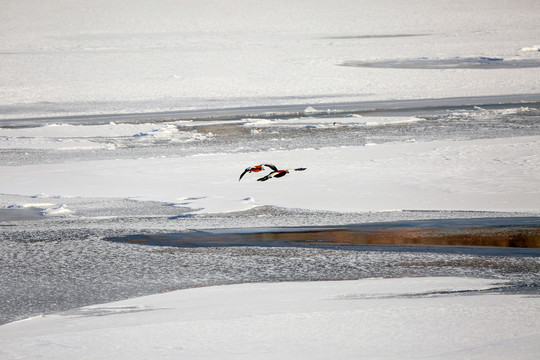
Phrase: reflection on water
(513, 237)
(510, 237)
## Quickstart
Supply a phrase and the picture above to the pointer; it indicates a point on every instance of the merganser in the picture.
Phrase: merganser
(257, 168)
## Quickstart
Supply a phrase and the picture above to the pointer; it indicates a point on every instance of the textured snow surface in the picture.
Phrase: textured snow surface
(440, 318)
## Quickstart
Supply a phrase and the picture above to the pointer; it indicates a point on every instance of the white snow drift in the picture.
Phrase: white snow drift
(373, 318)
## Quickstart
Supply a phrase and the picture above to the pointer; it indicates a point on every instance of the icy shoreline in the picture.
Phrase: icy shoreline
(14, 116)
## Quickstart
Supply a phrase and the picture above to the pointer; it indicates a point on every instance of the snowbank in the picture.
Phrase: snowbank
(441, 318)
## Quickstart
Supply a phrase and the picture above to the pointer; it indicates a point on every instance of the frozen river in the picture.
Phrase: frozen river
(122, 144)
(63, 252)
(50, 269)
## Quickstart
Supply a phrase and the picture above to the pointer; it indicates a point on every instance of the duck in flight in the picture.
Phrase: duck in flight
(279, 173)
(258, 168)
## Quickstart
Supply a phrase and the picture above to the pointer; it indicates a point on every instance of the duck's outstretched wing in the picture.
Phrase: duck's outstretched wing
(269, 176)
(244, 173)
(273, 167)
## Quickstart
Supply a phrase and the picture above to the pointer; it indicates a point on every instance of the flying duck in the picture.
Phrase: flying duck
(257, 168)
(279, 173)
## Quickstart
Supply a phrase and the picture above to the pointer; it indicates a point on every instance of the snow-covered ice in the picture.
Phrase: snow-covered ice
(488, 174)
(78, 58)
(441, 318)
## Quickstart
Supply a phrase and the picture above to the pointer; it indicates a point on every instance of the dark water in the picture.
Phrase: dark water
(515, 236)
